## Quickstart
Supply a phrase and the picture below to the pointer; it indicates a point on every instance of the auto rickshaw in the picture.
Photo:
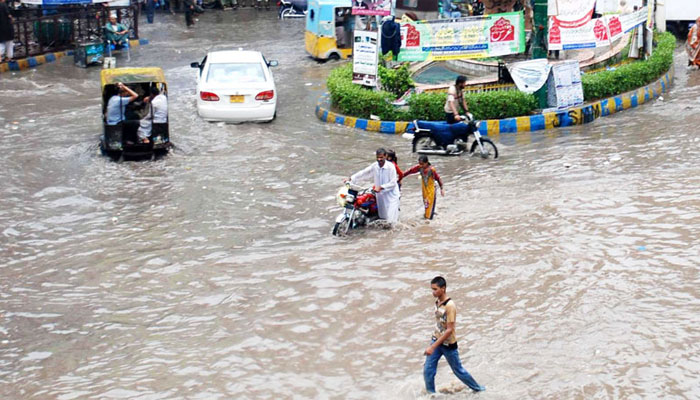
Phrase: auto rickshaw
(329, 29)
(120, 140)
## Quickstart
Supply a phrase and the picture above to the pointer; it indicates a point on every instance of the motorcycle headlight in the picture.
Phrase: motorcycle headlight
(342, 195)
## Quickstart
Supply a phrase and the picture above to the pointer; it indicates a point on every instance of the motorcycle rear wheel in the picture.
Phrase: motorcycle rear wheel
(491, 152)
(341, 228)
(286, 13)
(423, 143)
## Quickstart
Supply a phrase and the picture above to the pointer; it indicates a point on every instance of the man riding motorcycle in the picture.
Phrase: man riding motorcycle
(455, 98)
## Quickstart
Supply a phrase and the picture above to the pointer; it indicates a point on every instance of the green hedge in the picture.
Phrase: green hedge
(486, 105)
(358, 101)
(631, 76)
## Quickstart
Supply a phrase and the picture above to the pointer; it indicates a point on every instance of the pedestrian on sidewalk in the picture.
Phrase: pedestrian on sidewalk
(7, 33)
(429, 176)
(444, 342)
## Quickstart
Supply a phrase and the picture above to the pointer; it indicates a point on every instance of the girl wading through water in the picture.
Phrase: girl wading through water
(429, 176)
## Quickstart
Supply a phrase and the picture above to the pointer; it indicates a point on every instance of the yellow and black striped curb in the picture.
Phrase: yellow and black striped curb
(495, 127)
(32, 62)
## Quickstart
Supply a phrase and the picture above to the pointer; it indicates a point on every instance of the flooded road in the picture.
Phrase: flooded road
(212, 274)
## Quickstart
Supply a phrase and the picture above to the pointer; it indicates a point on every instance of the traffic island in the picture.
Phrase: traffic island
(493, 128)
(605, 93)
(33, 62)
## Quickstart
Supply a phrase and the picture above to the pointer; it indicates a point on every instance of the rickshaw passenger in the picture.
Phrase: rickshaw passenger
(157, 113)
(116, 105)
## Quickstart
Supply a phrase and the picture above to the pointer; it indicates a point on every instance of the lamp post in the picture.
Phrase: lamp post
(539, 43)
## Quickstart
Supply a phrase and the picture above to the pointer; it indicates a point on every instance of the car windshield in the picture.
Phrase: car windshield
(234, 73)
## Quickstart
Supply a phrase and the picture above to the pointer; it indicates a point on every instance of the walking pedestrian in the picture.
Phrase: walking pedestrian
(7, 33)
(189, 11)
(444, 341)
(429, 176)
(383, 174)
(150, 10)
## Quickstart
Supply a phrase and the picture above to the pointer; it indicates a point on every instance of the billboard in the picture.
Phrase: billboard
(472, 37)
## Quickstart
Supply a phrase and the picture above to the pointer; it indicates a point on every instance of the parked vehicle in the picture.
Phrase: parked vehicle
(680, 15)
(329, 29)
(120, 140)
(359, 208)
(292, 8)
(441, 138)
(236, 86)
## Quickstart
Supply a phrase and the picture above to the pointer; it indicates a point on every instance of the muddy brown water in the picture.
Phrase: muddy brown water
(212, 274)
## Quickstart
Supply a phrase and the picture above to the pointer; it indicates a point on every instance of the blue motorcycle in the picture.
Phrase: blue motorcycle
(441, 138)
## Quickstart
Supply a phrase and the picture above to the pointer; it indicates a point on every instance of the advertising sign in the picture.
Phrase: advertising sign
(592, 34)
(371, 7)
(365, 58)
(564, 88)
(597, 32)
(575, 12)
(631, 20)
(472, 37)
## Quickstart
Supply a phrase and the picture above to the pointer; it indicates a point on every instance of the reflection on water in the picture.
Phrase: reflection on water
(212, 273)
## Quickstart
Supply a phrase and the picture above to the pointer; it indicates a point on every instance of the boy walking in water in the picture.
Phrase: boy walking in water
(429, 176)
(444, 341)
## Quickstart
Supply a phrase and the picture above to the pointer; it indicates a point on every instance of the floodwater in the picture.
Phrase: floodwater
(211, 273)
(435, 74)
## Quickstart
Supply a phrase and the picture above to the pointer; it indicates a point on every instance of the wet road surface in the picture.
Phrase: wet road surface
(211, 273)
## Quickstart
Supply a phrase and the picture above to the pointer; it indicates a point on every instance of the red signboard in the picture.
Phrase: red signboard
(502, 31)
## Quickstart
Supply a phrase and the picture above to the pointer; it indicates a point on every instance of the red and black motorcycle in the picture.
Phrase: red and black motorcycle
(359, 208)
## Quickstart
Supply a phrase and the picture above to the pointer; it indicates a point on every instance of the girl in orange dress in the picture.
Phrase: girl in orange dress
(429, 176)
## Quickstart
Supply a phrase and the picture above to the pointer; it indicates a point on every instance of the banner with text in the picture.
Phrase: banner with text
(597, 32)
(571, 13)
(371, 7)
(472, 37)
(365, 58)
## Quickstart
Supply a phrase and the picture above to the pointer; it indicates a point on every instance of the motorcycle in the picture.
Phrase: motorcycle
(359, 208)
(292, 8)
(441, 138)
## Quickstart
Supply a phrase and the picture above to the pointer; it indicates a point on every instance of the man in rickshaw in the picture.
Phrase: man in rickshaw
(116, 106)
(116, 33)
(156, 112)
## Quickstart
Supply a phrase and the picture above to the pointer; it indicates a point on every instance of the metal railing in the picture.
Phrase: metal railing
(62, 31)
(479, 88)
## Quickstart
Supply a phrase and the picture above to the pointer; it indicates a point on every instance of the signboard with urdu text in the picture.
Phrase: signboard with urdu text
(597, 32)
(472, 37)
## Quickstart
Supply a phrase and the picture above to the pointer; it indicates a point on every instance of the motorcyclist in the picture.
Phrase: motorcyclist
(455, 98)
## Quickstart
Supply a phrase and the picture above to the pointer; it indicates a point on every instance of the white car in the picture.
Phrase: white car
(236, 86)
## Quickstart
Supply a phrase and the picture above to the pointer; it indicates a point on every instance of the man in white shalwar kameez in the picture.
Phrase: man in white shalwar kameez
(385, 184)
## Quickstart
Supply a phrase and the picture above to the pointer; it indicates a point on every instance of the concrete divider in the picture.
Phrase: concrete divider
(32, 62)
(493, 128)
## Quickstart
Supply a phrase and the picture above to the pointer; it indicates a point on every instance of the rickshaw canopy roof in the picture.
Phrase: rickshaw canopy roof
(131, 75)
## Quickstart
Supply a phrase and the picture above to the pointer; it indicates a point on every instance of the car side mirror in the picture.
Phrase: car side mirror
(194, 65)
(273, 63)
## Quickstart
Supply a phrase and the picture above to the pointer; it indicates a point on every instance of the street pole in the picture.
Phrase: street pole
(539, 43)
